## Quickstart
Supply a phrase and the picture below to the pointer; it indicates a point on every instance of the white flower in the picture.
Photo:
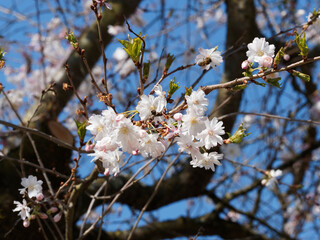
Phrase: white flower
(32, 185)
(207, 160)
(102, 125)
(192, 124)
(147, 104)
(115, 30)
(112, 161)
(151, 146)
(107, 143)
(97, 126)
(271, 180)
(208, 57)
(197, 102)
(23, 209)
(187, 144)
(127, 135)
(259, 48)
(210, 136)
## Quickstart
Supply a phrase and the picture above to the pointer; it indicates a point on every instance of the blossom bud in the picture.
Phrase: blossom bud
(266, 61)
(89, 147)
(119, 117)
(245, 64)
(135, 152)
(53, 209)
(57, 217)
(40, 196)
(286, 57)
(43, 215)
(106, 172)
(26, 223)
(177, 116)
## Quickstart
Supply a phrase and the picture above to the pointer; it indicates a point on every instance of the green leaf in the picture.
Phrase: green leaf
(146, 70)
(188, 91)
(240, 87)
(170, 59)
(278, 56)
(238, 135)
(274, 82)
(133, 47)
(303, 76)
(81, 129)
(173, 87)
(72, 39)
(258, 83)
(302, 45)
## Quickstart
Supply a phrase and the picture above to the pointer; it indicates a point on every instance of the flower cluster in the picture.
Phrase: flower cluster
(32, 191)
(33, 188)
(193, 132)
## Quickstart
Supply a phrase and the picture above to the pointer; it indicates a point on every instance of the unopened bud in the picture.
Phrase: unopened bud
(245, 64)
(177, 116)
(286, 57)
(53, 210)
(43, 215)
(40, 197)
(57, 217)
(26, 223)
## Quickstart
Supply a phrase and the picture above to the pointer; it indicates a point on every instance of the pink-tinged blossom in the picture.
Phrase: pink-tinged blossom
(286, 57)
(150, 146)
(208, 57)
(193, 124)
(57, 217)
(40, 196)
(197, 102)
(210, 136)
(175, 128)
(245, 64)
(207, 160)
(26, 223)
(23, 209)
(177, 116)
(259, 48)
(32, 185)
(112, 162)
(107, 143)
(266, 61)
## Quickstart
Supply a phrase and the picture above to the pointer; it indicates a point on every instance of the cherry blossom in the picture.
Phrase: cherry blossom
(207, 160)
(208, 57)
(258, 49)
(210, 136)
(23, 209)
(32, 185)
